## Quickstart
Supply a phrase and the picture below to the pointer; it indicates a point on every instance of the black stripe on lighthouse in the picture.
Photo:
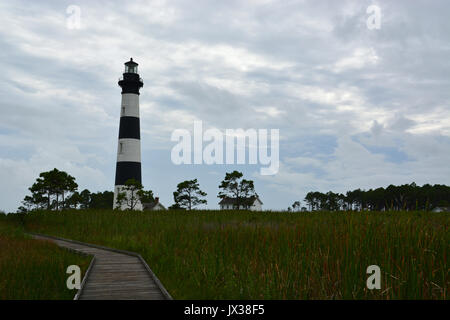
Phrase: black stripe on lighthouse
(131, 83)
(127, 170)
(129, 128)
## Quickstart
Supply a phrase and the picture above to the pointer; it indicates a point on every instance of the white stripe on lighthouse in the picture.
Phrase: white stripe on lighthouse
(117, 190)
(130, 105)
(129, 150)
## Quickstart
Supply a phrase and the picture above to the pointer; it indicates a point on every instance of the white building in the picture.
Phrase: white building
(251, 203)
(156, 205)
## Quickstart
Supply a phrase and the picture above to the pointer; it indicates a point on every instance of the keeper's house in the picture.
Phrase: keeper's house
(155, 205)
(251, 203)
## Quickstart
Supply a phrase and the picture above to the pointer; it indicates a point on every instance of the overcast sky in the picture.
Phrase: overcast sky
(356, 107)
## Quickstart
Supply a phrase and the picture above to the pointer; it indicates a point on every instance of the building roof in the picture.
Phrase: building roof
(131, 63)
(248, 201)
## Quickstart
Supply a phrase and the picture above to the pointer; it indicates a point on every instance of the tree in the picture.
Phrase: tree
(41, 191)
(85, 199)
(35, 201)
(189, 195)
(146, 196)
(101, 200)
(64, 183)
(48, 188)
(296, 206)
(309, 199)
(73, 201)
(131, 195)
(26, 206)
(233, 186)
(176, 206)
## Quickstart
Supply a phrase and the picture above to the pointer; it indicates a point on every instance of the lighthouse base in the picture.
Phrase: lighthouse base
(128, 202)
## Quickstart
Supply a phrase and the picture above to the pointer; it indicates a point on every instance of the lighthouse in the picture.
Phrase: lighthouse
(128, 164)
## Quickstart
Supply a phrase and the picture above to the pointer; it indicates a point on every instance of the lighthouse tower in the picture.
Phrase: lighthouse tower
(129, 147)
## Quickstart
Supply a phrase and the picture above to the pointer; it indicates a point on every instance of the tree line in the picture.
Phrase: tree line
(404, 197)
(57, 190)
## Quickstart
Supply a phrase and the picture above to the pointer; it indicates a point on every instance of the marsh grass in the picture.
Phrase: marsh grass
(33, 269)
(273, 255)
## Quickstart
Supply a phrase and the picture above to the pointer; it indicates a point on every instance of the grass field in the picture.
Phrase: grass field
(270, 255)
(32, 269)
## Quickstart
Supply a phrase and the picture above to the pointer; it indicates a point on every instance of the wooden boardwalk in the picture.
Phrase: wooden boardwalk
(114, 274)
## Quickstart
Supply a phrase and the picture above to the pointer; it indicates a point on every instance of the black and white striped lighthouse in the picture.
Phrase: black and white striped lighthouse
(129, 148)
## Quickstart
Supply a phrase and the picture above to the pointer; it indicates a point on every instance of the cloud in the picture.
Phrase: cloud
(360, 58)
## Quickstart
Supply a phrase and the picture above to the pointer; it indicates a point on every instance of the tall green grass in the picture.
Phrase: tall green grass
(33, 269)
(273, 255)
